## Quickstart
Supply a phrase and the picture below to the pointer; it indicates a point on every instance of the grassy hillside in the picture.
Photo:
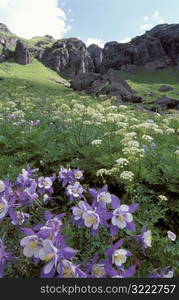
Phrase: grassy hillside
(34, 80)
(146, 82)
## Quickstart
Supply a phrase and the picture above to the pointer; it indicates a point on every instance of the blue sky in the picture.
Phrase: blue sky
(97, 21)
(117, 20)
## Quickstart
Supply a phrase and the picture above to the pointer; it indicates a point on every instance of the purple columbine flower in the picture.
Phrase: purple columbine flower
(116, 256)
(32, 245)
(19, 218)
(26, 176)
(29, 195)
(96, 270)
(78, 212)
(122, 218)
(45, 184)
(49, 254)
(102, 197)
(123, 273)
(2, 186)
(78, 174)
(145, 238)
(74, 191)
(91, 219)
(4, 206)
(165, 273)
(4, 257)
(153, 146)
(68, 176)
(119, 257)
(65, 176)
(52, 227)
(66, 269)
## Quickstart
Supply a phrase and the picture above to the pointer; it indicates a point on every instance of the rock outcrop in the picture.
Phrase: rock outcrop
(96, 54)
(110, 84)
(68, 57)
(22, 55)
(156, 49)
(7, 39)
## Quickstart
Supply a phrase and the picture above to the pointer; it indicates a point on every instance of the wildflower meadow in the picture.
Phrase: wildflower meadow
(88, 189)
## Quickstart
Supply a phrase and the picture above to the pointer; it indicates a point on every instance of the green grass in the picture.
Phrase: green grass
(35, 80)
(144, 82)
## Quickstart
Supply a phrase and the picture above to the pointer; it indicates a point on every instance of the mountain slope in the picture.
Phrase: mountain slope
(34, 79)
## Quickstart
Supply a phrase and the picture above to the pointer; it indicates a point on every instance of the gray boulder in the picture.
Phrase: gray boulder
(84, 81)
(167, 103)
(165, 88)
(109, 84)
(22, 55)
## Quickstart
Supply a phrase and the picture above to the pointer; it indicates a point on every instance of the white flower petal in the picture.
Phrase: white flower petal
(128, 217)
(49, 267)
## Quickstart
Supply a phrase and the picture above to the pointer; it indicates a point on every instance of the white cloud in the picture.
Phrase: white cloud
(28, 18)
(152, 21)
(98, 42)
(125, 40)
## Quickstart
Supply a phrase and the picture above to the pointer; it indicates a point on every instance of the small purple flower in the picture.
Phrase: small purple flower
(74, 191)
(48, 253)
(102, 197)
(96, 270)
(29, 195)
(91, 219)
(119, 257)
(51, 229)
(68, 176)
(18, 218)
(32, 245)
(78, 174)
(153, 146)
(122, 218)
(124, 273)
(2, 186)
(66, 269)
(4, 206)
(145, 238)
(78, 212)
(45, 184)
(116, 256)
(65, 176)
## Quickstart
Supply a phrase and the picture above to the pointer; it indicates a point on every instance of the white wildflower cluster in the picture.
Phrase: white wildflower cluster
(123, 107)
(113, 171)
(170, 131)
(131, 135)
(147, 138)
(96, 142)
(120, 132)
(122, 162)
(133, 153)
(127, 175)
(102, 172)
(122, 125)
(162, 198)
